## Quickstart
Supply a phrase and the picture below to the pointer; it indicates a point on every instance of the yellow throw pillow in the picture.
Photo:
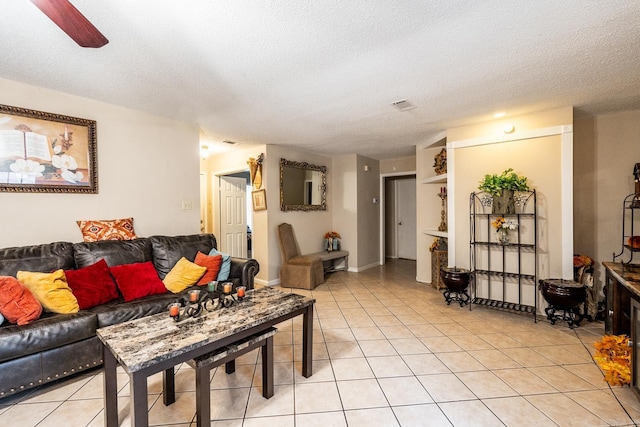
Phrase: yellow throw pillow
(182, 275)
(51, 290)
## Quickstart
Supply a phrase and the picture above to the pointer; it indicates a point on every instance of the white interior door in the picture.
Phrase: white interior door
(233, 218)
(406, 218)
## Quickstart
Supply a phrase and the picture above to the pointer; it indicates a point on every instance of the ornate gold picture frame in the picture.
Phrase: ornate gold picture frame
(46, 152)
(259, 198)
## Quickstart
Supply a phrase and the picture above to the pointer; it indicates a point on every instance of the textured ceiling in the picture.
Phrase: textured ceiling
(321, 75)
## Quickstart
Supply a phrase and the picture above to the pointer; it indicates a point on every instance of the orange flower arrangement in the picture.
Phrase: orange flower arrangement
(332, 235)
(582, 261)
(614, 358)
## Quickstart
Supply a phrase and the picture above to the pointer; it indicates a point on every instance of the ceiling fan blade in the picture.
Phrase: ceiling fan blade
(72, 22)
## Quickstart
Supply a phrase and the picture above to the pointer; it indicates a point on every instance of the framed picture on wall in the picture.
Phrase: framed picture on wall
(259, 198)
(46, 152)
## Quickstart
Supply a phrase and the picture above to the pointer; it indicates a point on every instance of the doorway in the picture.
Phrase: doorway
(235, 214)
(400, 217)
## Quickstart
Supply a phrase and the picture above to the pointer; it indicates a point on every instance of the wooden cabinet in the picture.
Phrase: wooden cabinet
(635, 344)
(623, 287)
(623, 310)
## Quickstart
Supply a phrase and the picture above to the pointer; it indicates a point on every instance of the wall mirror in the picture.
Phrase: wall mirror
(303, 187)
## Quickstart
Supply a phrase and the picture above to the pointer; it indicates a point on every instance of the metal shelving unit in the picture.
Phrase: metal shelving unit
(630, 205)
(504, 275)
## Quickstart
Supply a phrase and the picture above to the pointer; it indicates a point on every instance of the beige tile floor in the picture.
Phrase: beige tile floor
(388, 351)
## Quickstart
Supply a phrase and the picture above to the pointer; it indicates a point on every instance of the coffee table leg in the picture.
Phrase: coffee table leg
(168, 386)
(110, 388)
(138, 404)
(267, 368)
(203, 397)
(307, 342)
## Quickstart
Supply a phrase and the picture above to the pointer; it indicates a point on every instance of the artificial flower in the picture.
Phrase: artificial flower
(501, 223)
(71, 176)
(332, 235)
(613, 355)
(27, 167)
(582, 261)
(64, 162)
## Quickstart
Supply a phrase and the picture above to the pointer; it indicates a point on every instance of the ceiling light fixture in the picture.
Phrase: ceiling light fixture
(204, 151)
(508, 128)
(226, 141)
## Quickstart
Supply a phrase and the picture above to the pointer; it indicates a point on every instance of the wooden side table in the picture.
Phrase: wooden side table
(438, 261)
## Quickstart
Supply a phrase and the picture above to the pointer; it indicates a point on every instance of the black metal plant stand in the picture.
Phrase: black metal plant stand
(461, 296)
(572, 316)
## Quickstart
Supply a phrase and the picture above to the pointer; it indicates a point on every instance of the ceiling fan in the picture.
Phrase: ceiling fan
(72, 22)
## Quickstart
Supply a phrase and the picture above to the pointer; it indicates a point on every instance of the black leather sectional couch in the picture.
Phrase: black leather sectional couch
(59, 345)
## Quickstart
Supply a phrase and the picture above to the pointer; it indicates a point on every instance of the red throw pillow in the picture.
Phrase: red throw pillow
(17, 303)
(137, 280)
(212, 263)
(92, 285)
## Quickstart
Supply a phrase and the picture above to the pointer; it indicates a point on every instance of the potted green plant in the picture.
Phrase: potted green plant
(501, 188)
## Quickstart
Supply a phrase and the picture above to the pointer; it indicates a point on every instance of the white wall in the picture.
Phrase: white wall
(368, 213)
(147, 165)
(540, 159)
(606, 149)
(309, 227)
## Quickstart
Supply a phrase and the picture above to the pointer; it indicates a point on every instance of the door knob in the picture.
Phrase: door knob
(400, 223)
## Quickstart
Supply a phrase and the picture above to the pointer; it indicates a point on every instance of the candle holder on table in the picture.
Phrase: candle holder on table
(217, 296)
(443, 218)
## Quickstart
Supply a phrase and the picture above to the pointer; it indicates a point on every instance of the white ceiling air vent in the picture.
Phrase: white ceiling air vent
(226, 141)
(403, 105)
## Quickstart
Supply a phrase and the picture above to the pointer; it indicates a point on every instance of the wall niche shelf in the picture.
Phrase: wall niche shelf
(438, 179)
(436, 233)
(429, 154)
(504, 275)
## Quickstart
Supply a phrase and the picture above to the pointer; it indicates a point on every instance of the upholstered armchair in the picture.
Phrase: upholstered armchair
(297, 271)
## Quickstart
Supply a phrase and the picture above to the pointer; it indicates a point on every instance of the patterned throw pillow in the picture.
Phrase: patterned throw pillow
(114, 229)
(51, 290)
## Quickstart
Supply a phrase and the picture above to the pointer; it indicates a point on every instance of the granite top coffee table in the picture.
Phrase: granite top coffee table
(156, 343)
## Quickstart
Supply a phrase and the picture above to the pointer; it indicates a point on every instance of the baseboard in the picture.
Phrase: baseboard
(274, 282)
(364, 267)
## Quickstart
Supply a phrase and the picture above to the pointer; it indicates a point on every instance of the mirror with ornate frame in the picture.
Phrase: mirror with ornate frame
(303, 186)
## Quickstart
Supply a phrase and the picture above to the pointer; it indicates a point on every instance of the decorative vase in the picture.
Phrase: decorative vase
(504, 203)
(503, 236)
(336, 244)
(329, 244)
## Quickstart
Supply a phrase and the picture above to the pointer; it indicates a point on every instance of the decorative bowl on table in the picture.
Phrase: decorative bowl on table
(563, 294)
(565, 298)
(456, 281)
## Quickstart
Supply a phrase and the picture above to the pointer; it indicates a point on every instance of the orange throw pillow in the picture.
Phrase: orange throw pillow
(17, 303)
(212, 263)
(114, 229)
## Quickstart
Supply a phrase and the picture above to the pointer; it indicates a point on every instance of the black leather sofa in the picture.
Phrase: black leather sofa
(59, 345)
